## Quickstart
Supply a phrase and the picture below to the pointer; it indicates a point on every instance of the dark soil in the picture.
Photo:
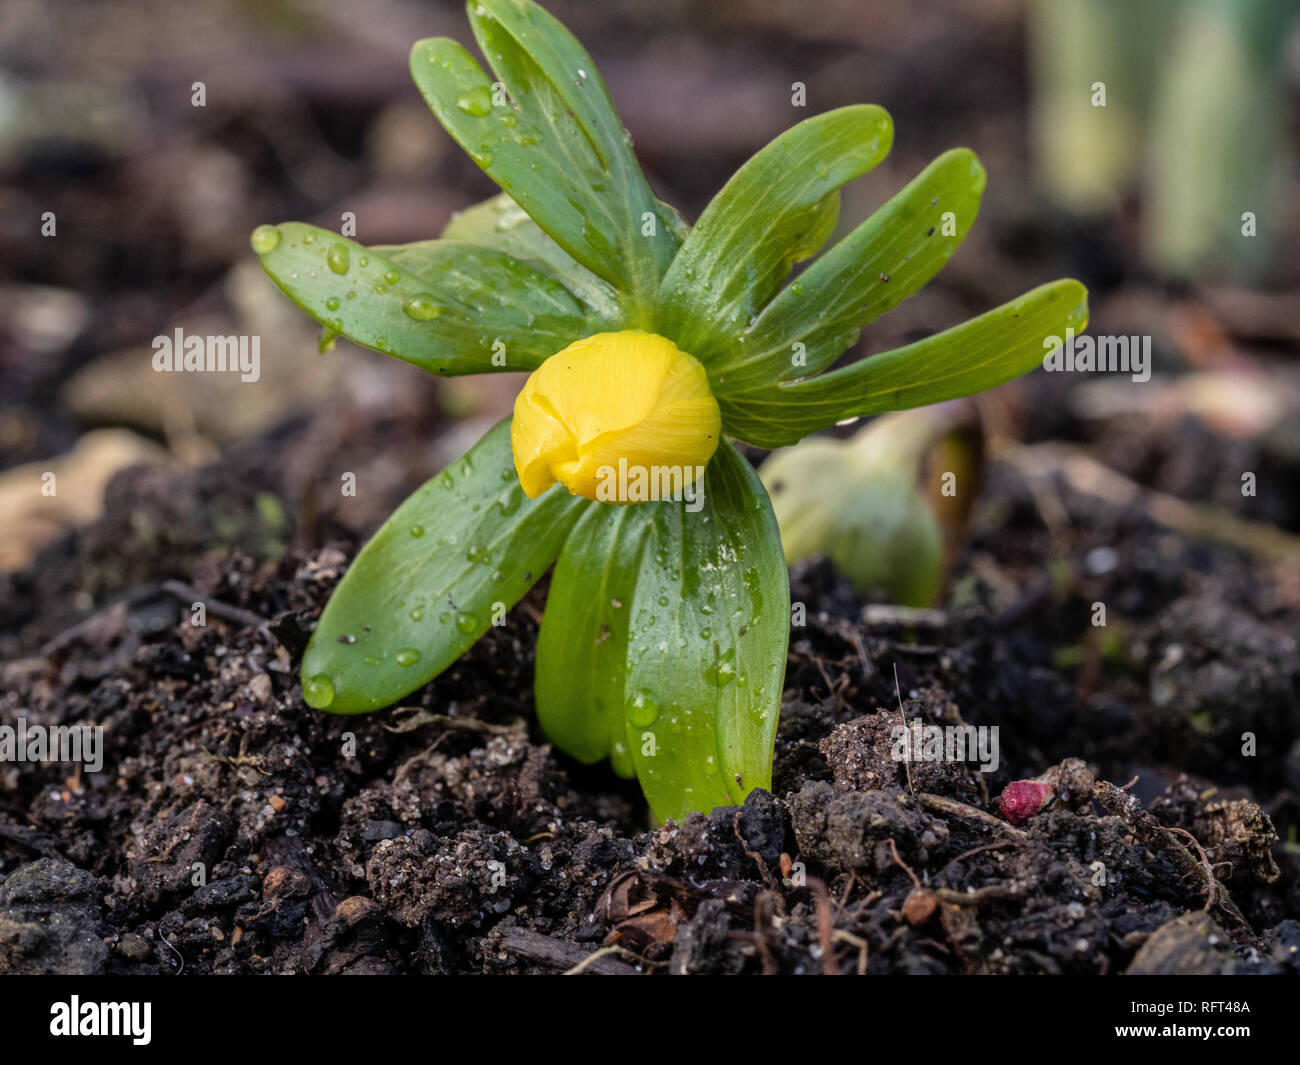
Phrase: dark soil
(237, 830)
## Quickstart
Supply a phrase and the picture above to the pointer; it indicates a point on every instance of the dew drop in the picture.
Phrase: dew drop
(265, 239)
(407, 656)
(319, 691)
(476, 102)
(417, 531)
(722, 671)
(421, 308)
(642, 710)
(337, 258)
(332, 303)
(466, 622)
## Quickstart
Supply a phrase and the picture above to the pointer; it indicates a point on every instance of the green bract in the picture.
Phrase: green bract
(663, 642)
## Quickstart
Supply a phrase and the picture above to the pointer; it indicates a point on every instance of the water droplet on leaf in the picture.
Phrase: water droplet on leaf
(265, 239)
(642, 709)
(337, 258)
(476, 102)
(319, 691)
(421, 308)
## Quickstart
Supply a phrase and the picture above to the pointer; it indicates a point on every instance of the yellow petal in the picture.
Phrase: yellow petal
(612, 408)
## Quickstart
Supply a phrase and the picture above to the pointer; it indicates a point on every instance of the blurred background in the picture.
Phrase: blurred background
(125, 210)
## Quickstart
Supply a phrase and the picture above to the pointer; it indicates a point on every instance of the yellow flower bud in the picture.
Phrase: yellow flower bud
(619, 417)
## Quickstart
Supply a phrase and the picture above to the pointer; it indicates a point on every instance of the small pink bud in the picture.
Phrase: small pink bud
(1021, 799)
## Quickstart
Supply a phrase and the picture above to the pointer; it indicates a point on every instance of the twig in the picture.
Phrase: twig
(1119, 803)
(825, 926)
(974, 898)
(415, 717)
(764, 909)
(893, 849)
(844, 897)
(944, 805)
(559, 954)
(753, 854)
(842, 936)
(1206, 867)
(605, 952)
(226, 611)
(85, 625)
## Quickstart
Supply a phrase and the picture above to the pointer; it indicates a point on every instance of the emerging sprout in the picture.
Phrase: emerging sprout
(865, 504)
(663, 643)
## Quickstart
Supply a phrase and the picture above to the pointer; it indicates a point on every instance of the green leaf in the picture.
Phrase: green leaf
(773, 212)
(582, 647)
(554, 143)
(424, 589)
(503, 225)
(437, 305)
(887, 258)
(976, 355)
(706, 646)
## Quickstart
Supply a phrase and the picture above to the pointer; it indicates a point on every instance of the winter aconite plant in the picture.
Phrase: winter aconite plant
(650, 343)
